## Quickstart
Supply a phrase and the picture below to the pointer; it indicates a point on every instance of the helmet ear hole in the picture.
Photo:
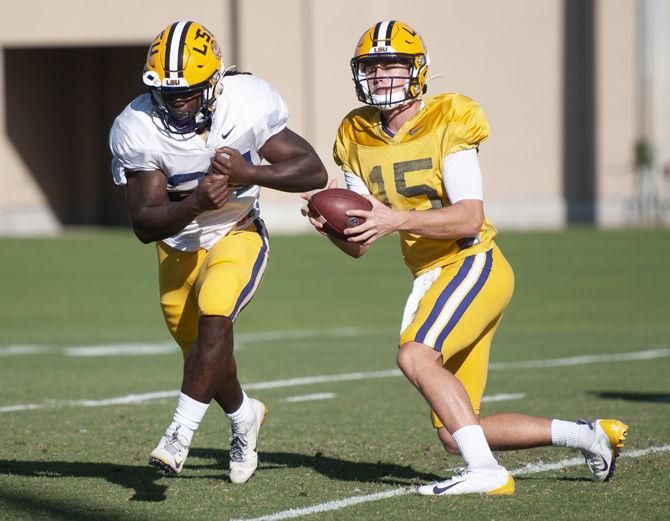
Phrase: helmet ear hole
(151, 79)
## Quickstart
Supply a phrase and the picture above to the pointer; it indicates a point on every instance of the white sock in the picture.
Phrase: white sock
(241, 419)
(474, 447)
(188, 416)
(571, 434)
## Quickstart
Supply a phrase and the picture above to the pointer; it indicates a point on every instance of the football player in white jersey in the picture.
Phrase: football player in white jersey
(189, 153)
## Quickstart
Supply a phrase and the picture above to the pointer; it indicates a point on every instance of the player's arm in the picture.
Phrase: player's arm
(463, 218)
(294, 165)
(154, 217)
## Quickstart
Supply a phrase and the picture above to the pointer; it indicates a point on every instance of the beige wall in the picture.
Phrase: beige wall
(615, 111)
(514, 74)
(108, 22)
(507, 55)
(23, 208)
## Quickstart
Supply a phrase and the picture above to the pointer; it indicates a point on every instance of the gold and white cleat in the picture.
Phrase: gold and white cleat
(491, 482)
(601, 456)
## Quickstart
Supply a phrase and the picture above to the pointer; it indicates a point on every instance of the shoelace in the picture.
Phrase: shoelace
(175, 445)
(238, 446)
(461, 471)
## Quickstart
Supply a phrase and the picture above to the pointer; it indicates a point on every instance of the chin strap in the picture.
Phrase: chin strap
(228, 69)
(434, 78)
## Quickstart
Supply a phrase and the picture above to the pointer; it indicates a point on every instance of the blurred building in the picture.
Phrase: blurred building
(576, 92)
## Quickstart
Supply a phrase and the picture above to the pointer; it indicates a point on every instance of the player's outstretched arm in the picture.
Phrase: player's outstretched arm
(462, 219)
(155, 218)
(294, 165)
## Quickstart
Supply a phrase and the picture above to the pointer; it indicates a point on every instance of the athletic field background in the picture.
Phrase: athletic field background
(89, 378)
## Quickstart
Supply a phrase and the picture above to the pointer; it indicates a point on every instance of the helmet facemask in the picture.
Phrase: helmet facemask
(401, 90)
(197, 118)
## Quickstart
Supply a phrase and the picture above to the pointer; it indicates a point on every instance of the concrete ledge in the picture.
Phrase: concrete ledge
(527, 214)
(28, 220)
(284, 216)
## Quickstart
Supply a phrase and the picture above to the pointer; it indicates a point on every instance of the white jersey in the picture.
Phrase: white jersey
(248, 112)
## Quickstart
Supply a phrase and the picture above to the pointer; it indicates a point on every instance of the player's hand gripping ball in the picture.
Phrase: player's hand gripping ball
(331, 205)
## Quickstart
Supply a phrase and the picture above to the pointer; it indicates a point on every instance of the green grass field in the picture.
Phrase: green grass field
(73, 457)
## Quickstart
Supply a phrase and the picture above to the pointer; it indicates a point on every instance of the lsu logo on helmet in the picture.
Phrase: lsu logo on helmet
(184, 60)
(391, 41)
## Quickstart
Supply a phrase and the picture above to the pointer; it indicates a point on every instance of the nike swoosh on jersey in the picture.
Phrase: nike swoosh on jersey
(224, 136)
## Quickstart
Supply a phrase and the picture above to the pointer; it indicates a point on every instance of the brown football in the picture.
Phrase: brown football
(332, 203)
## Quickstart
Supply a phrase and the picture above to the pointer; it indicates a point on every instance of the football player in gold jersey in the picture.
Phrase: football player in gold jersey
(415, 159)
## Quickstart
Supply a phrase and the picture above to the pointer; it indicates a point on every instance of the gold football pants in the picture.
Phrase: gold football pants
(458, 314)
(220, 281)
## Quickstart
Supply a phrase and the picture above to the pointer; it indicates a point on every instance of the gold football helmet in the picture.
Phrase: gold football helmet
(396, 42)
(184, 61)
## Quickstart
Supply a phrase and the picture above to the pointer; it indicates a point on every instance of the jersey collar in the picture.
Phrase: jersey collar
(407, 127)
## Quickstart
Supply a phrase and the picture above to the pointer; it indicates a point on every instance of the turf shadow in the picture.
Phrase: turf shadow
(333, 468)
(18, 504)
(141, 479)
(633, 396)
(575, 479)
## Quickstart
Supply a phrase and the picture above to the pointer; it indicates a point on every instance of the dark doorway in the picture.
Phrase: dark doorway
(60, 104)
(579, 125)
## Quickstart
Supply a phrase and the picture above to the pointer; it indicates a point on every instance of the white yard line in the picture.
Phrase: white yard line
(131, 398)
(298, 334)
(529, 468)
(22, 407)
(160, 395)
(20, 349)
(344, 377)
(309, 397)
(502, 397)
(332, 505)
(119, 400)
(122, 350)
(309, 380)
(583, 360)
(161, 348)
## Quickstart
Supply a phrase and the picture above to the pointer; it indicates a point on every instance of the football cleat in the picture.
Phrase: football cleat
(243, 455)
(171, 453)
(601, 456)
(492, 482)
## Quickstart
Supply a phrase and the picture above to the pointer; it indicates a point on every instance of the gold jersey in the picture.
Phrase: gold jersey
(405, 171)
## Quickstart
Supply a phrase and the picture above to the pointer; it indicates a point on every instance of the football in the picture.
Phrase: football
(331, 204)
